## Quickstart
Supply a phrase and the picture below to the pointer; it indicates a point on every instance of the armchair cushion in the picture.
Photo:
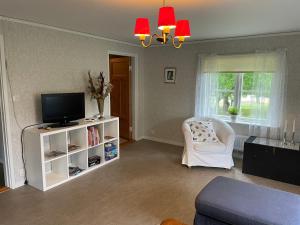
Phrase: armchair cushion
(204, 147)
(203, 131)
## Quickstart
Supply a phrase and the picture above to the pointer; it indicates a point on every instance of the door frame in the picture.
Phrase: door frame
(5, 120)
(134, 88)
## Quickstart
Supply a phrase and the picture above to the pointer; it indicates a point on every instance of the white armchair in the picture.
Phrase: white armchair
(209, 154)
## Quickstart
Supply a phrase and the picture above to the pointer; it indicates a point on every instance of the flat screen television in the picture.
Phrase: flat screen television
(62, 108)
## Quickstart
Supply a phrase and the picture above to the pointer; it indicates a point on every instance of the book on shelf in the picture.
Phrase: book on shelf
(90, 137)
(93, 136)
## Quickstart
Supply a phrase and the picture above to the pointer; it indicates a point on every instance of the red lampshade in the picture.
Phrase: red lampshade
(182, 29)
(166, 18)
(142, 27)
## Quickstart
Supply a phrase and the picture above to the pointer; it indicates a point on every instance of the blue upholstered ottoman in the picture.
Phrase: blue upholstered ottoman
(228, 201)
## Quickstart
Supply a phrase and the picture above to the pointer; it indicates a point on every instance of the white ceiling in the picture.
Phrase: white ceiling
(115, 19)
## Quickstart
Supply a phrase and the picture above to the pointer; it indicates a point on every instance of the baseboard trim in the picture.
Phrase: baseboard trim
(18, 184)
(140, 138)
(162, 140)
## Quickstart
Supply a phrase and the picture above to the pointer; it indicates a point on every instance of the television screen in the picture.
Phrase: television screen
(62, 107)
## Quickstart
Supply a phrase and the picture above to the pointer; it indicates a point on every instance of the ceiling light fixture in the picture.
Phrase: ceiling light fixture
(166, 22)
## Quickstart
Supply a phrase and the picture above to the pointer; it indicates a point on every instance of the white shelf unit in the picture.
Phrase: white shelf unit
(45, 171)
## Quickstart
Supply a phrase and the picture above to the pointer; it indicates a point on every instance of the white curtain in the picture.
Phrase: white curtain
(268, 63)
(206, 94)
(278, 90)
(264, 131)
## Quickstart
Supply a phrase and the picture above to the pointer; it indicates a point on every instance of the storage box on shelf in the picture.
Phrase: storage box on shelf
(57, 155)
(95, 156)
(110, 150)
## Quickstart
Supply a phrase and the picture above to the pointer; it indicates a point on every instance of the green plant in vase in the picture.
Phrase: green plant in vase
(233, 111)
(99, 90)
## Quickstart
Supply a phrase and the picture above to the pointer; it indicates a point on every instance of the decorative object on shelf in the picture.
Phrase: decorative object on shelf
(72, 147)
(107, 137)
(293, 133)
(89, 119)
(233, 111)
(99, 90)
(170, 75)
(53, 154)
(285, 140)
(166, 22)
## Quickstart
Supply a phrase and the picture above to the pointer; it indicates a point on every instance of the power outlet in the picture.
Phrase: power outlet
(22, 172)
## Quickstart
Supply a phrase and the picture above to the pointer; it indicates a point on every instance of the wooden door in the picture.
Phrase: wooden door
(120, 106)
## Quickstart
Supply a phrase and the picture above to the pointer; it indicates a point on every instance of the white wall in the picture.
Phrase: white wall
(167, 105)
(42, 60)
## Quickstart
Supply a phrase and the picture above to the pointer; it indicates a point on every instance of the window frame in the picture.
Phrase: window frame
(238, 89)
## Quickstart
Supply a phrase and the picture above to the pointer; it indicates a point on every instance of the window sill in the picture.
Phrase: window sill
(238, 121)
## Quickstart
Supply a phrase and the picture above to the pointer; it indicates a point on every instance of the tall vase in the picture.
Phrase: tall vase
(100, 103)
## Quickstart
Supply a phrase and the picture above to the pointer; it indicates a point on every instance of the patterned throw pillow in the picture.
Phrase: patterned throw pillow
(203, 131)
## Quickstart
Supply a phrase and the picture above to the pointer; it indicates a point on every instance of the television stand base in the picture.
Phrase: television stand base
(69, 124)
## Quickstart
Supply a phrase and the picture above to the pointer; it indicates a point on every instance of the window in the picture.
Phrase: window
(249, 92)
(257, 92)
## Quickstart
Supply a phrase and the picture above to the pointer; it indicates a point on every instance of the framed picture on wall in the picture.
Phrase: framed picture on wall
(170, 75)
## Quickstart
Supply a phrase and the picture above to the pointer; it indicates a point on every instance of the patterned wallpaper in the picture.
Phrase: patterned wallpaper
(42, 60)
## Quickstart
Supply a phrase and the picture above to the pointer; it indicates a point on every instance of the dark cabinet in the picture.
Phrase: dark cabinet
(270, 159)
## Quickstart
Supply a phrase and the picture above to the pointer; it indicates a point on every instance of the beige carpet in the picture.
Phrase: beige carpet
(145, 186)
(123, 141)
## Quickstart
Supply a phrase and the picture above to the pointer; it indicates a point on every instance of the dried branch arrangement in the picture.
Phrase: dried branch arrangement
(99, 90)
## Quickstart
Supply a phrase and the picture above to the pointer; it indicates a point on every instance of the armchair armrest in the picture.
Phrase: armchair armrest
(188, 136)
(226, 135)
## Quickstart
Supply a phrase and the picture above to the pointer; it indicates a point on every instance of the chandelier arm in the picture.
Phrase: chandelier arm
(150, 41)
(174, 44)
